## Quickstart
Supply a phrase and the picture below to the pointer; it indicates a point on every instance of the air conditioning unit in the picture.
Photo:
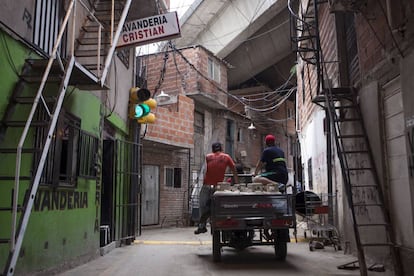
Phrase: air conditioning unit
(346, 5)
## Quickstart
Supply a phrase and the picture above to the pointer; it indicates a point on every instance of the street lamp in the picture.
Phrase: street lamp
(251, 127)
(163, 97)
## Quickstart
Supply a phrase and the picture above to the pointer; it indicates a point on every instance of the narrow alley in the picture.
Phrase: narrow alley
(122, 122)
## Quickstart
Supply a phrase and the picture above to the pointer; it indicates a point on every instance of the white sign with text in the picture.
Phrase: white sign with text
(149, 30)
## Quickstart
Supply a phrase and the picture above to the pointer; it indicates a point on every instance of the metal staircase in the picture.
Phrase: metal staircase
(85, 68)
(305, 35)
(362, 184)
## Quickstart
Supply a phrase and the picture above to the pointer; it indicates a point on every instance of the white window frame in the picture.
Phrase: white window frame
(213, 69)
(170, 182)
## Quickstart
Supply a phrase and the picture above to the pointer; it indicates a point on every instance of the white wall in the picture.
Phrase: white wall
(313, 145)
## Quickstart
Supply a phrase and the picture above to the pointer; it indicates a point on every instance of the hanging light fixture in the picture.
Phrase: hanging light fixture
(163, 97)
(251, 127)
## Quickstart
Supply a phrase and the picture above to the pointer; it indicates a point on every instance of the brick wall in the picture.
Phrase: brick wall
(372, 35)
(179, 74)
(173, 202)
(179, 77)
(174, 124)
(307, 81)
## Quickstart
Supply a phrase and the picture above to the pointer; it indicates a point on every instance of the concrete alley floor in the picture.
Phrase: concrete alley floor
(177, 251)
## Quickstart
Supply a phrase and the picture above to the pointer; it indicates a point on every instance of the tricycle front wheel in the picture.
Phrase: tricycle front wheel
(216, 246)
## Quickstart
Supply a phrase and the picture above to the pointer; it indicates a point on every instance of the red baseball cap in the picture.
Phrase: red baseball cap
(270, 139)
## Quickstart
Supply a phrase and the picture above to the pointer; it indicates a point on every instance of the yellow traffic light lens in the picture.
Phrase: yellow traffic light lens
(151, 103)
(149, 119)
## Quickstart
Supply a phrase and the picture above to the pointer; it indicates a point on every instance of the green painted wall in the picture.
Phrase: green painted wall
(62, 233)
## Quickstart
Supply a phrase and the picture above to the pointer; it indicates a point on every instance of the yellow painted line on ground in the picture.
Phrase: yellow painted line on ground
(194, 242)
(173, 242)
(299, 240)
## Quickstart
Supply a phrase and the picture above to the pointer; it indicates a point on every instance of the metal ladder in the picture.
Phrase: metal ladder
(362, 186)
(65, 72)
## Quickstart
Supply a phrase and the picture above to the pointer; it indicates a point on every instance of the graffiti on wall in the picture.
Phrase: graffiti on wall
(47, 200)
(27, 18)
(362, 196)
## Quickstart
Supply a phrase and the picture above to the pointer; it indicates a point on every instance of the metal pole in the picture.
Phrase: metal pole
(329, 166)
(137, 139)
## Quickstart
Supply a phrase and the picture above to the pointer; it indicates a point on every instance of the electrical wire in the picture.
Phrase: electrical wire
(268, 109)
(200, 73)
(9, 57)
(162, 73)
(115, 92)
(183, 83)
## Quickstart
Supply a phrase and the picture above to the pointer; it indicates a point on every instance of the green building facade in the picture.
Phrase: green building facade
(88, 194)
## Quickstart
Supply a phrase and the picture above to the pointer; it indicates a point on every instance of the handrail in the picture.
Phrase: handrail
(116, 37)
(100, 27)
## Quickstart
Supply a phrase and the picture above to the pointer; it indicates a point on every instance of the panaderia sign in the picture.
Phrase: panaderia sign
(149, 30)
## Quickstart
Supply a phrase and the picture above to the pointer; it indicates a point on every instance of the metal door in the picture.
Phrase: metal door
(396, 132)
(150, 195)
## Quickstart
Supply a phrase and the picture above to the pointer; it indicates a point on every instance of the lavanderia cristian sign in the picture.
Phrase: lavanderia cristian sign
(149, 30)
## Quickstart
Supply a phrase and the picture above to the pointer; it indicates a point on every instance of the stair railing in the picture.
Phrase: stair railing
(100, 27)
(114, 41)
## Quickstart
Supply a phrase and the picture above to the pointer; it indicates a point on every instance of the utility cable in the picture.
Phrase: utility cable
(263, 110)
(162, 73)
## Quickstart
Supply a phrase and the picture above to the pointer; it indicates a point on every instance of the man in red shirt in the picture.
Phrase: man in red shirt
(217, 163)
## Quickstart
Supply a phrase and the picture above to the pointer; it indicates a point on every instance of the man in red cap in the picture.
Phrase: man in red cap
(273, 160)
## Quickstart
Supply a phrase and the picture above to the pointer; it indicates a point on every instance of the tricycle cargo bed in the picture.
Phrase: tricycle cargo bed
(248, 210)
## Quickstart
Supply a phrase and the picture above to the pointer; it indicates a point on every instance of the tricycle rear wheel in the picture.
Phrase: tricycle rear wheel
(280, 250)
(216, 246)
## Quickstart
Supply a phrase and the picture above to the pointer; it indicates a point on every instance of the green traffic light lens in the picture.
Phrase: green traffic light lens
(141, 110)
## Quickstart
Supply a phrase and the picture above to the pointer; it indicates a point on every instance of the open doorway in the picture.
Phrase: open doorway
(107, 191)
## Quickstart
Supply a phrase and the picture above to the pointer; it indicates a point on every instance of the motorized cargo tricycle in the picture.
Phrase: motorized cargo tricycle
(251, 214)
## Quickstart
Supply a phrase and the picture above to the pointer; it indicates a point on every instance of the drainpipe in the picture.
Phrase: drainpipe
(189, 184)
(137, 178)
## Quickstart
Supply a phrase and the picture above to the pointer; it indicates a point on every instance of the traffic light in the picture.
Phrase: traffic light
(148, 118)
(140, 104)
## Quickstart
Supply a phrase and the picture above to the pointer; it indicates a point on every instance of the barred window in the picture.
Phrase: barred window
(60, 166)
(173, 177)
(88, 151)
(72, 152)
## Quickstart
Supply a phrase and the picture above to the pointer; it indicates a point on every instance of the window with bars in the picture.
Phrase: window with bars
(173, 177)
(88, 151)
(72, 153)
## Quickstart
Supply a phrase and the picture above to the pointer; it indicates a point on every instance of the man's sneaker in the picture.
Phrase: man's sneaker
(200, 230)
